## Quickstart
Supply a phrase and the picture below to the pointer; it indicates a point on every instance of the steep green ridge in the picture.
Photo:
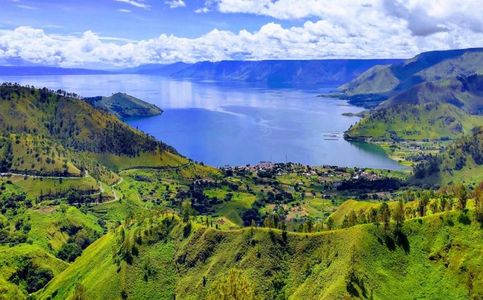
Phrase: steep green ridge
(125, 106)
(429, 66)
(204, 263)
(464, 92)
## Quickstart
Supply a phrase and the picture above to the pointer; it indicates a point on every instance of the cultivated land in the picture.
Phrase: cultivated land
(85, 216)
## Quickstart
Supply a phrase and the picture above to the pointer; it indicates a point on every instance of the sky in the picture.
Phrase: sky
(127, 33)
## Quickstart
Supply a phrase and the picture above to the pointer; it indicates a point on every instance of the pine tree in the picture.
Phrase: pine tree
(385, 215)
(399, 215)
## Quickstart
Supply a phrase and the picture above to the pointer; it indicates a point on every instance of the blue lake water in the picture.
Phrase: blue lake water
(232, 123)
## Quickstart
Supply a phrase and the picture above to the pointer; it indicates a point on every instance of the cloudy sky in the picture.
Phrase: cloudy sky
(121, 33)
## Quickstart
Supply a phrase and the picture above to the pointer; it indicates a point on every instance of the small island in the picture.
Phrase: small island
(125, 106)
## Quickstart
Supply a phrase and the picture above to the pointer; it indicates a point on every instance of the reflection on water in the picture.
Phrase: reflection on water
(236, 124)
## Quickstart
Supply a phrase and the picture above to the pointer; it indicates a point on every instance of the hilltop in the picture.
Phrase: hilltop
(125, 106)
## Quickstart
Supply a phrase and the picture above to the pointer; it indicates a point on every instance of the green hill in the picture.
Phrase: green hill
(378, 79)
(125, 106)
(70, 133)
(162, 257)
(435, 95)
(414, 122)
(390, 80)
(442, 109)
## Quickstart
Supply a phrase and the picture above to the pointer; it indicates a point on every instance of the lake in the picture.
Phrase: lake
(234, 123)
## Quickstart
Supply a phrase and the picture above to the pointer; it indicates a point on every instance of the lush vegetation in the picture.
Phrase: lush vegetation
(83, 217)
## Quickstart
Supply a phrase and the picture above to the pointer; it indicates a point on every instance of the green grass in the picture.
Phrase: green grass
(50, 187)
(10, 258)
(143, 160)
(34, 154)
(46, 223)
(414, 122)
(351, 205)
(232, 209)
(358, 261)
(94, 270)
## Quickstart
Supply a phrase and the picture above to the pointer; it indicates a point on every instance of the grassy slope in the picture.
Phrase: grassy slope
(415, 122)
(232, 209)
(35, 187)
(147, 160)
(10, 258)
(432, 96)
(378, 79)
(329, 265)
(78, 126)
(46, 223)
(35, 154)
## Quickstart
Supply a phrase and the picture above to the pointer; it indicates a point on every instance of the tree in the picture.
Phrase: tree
(422, 203)
(399, 215)
(352, 218)
(345, 222)
(461, 194)
(234, 285)
(372, 216)
(79, 292)
(385, 215)
(362, 219)
(186, 210)
(309, 225)
(330, 223)
(479, 202)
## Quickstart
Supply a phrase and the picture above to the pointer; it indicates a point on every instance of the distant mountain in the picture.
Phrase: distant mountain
(125, 106)
(272, 72)
(40, 70)
(157, 69)
(299, 72)
(432, 96)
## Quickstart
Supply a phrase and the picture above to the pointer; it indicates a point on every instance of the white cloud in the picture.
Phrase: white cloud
(335, 29)
(138, 4)
(202, 10)
(23, 6)
(126, 11)
(176, 3)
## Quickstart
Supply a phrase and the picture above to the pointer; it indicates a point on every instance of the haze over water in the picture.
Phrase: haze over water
(233, 123)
